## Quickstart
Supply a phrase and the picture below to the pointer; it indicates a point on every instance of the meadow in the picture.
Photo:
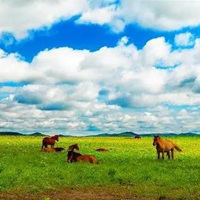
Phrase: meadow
(130, 165)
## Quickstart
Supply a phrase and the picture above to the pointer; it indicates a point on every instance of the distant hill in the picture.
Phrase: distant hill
(10, 133)
(123, 134)
(170, 134)
(36, 134)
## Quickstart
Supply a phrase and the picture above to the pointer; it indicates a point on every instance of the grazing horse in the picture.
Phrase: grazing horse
(77, 157)
(165, 146)
(49, 141)
(137, 137)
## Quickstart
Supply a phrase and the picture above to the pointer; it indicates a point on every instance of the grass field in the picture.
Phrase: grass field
(131, 165)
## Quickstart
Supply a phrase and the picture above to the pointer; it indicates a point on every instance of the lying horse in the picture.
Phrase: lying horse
(165, 146)
(49, 141)
(102, 149)
(53, 149)
(87, 158)
(72, 147)
(77, 157)
(72, 156)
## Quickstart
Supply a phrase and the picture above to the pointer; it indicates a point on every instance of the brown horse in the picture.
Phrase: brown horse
(87, 158)
(49, 141)
(72, 147)
(77, 157)
(102, 149)
(165, 146)
(72, 156)
(53, 149)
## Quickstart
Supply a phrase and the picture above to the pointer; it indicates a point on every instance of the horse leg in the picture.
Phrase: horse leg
(168, 154)
(44, 145)
(163, 155)
(158, 153)
(52, 145)
(172, 152)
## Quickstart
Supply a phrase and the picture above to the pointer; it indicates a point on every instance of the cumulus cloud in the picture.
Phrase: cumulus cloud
(81, 91)
(12, 67)
(36, 14)
(184, 39)
(159, 15)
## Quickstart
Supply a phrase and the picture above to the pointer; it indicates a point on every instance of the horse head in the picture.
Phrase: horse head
(155, 140)
(72, 147)
(56, 137)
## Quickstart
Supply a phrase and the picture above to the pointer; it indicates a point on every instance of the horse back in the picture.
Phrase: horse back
(48, 140)
(166, 145)
(87, 158)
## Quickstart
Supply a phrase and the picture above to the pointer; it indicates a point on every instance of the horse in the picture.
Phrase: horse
(72, 156)
(137, 137)
(165, 146)
(72, 147)
(102, 149)
(87, 158)
(77, 157)
(49, 141)
(53, 149)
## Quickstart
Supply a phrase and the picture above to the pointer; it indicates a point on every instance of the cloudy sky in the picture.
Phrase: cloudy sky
(83, 67)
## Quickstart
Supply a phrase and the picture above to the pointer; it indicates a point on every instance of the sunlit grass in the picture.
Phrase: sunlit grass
(130, 164)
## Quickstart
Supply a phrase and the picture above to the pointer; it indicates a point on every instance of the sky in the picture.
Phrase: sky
(85, 67)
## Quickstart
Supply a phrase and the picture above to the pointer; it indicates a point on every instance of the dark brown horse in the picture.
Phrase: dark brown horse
(77, 157)
(72, 147)
(72, 156)
(165, 146)
(49, 141)
(137, 137)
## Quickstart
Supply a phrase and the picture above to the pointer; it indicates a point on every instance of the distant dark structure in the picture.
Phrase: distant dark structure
(137, 137)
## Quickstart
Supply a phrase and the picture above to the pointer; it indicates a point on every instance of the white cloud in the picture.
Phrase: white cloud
(161, 15)
(12, 67)
(112, 89)
(36, 14)
(184, 39)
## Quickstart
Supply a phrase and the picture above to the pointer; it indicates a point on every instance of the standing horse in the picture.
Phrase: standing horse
(49, 141)
(165, 146)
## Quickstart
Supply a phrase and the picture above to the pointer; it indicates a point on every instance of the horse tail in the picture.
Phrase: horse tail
(177, 148)
(44, 145)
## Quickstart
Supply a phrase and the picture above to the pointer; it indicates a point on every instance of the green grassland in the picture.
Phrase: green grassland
(131, 164)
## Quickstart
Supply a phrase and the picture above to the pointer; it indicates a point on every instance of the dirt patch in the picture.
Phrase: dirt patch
(73, 194)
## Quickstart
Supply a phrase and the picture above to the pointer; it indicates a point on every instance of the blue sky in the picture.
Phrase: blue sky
(83, 67)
